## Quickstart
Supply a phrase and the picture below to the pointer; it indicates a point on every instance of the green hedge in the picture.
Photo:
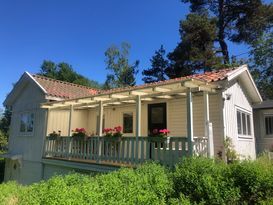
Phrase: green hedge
(193, 181)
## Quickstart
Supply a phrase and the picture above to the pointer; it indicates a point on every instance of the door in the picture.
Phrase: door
(157, 117)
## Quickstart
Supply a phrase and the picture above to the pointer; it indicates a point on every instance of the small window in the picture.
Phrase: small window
(243, 123)
(269, 125)
(26, 123)
(127, 122)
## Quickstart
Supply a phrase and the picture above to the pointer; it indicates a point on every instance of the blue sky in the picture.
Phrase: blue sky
(79, 31)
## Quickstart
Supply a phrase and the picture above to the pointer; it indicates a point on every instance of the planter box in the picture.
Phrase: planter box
(157, 139)
(112, 139)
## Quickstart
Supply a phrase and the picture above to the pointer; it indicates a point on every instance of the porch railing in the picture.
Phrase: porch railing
(128, 151)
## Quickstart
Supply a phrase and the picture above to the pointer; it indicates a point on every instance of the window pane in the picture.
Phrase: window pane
(23, 123)
(248, 125)
(269, 125)
(30, 118)
(157, 115)
(128, 123)
(239, 125)
(244, 123)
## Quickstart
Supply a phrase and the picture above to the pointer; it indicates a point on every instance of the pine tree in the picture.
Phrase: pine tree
(159, 64)
(239, 21)
(196, 50)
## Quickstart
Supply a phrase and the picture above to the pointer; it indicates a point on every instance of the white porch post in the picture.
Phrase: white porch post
(138, 116)
(189, 121)
(69, 129)
(70, 120)
(100, 130)
(207, 125)
(138, 122)
(100, 118)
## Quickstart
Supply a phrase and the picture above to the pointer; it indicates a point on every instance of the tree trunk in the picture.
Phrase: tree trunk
(221, 32)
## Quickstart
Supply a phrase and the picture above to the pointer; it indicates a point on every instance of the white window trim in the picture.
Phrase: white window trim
(26, 133)
(267, 115)
(133, 127)
(242, 136)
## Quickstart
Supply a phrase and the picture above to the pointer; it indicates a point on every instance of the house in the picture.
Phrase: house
(263, 122)
(200, 111)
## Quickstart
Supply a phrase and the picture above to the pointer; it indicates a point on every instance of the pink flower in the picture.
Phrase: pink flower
(118, 128)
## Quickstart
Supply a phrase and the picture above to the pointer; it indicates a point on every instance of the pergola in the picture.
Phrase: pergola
(148, 92)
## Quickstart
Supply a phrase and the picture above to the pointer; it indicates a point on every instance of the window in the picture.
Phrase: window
(269, 125)
(26, 123)
(127, 122)
(243, 123)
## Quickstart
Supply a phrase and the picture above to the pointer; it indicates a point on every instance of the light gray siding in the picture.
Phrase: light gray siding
(238, 100)
(30, 146)
(263, 141)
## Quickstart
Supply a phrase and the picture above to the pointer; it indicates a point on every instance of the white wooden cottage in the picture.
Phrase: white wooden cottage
(199, 110)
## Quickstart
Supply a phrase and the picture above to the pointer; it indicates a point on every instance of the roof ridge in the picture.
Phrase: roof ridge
(64, 82)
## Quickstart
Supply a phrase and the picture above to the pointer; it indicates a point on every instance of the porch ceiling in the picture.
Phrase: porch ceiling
(128, 95)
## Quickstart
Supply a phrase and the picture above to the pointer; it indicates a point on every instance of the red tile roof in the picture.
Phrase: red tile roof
(65, 90)
(209, 77)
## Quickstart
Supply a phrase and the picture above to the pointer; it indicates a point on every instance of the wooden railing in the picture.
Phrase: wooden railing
(122, 151)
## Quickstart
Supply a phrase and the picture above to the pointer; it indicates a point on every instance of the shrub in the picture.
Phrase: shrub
(148, 184)
(10, 193)
(204, 181)
(254, 179)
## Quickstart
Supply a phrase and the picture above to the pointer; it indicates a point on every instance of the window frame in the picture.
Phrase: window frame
(25, 132)
(245, 133)
(264, 118)
(131, 113)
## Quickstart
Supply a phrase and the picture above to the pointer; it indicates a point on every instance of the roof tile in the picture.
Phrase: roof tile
(65, 90)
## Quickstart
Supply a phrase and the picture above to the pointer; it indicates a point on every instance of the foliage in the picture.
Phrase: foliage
(148, 184)
(65, 72)
(3, 141)
(262, 64)
(204, 181)
(239, 21)
(122, 73)
(193, 181)
(79, 132)
(113, 132)
(5, 121)
(159, 64)
(230, 152)
(254, 179)
(196, 50)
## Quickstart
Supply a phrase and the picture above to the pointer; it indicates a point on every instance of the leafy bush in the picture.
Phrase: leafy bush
(204, 181)
(10, 193)
(254, 179)
(148, 184)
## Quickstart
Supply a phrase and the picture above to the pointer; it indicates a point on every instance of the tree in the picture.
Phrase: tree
(122, 73)
(196, 50)
(65, 72)
(159, 64)
(5, 121)
(262, 64)
(239, 21)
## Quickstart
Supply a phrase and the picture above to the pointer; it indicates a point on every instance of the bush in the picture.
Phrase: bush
(148, 184)
(204, 181)
(254, 179)
(10, 193)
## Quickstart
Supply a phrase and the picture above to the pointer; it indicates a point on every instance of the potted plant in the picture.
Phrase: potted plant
(79, 133)
(114, 134)
(159, 135)
(54, 135)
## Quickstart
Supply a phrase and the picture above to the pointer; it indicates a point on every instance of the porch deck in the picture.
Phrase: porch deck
(125, 151)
